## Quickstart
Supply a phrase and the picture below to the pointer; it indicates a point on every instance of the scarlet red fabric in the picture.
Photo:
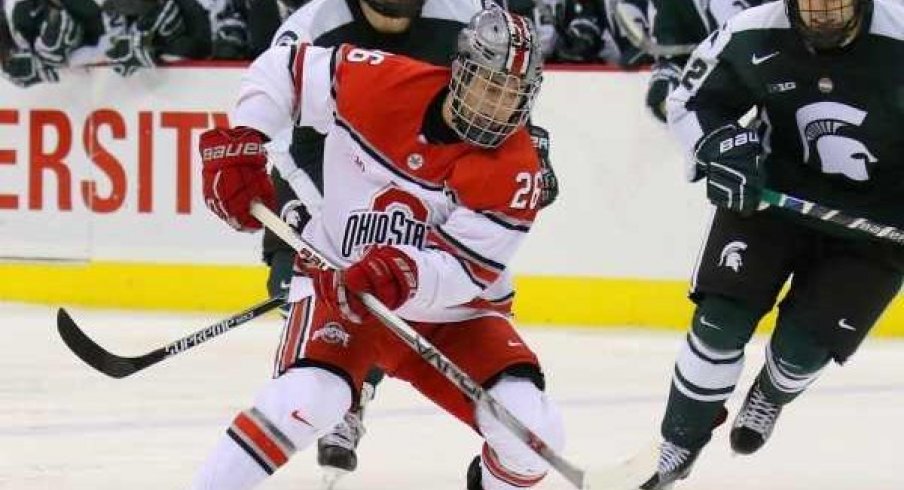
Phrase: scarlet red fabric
(385, 272)
(235, 174)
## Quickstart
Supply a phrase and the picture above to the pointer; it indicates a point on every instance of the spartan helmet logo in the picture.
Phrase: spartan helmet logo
(821, 123)
(731, 256)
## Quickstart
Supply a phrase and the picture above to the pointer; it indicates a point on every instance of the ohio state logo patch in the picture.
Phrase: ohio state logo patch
(396, 217)
(332, 333)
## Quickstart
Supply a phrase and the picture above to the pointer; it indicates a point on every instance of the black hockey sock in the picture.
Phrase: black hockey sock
(794, 360)
(280, 272)
(280, 277)
(689, 423)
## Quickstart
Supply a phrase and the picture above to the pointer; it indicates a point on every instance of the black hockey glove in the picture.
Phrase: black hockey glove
(230, 40)
(131, 51)
(549, 190)
(60, 35)
(581, 41)
(165, 23)
(666, 75)
(731, 159)
(25, 69)
(580, 31)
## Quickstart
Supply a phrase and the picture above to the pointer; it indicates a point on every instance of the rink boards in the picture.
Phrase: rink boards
(100, 201)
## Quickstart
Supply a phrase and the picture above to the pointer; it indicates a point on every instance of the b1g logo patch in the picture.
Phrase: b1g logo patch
(828, 126)
(396, 217)
(332, 333)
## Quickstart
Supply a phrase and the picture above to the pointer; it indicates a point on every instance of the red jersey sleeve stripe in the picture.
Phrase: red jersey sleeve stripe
(296, 68)
(334, 65)
(478, 273)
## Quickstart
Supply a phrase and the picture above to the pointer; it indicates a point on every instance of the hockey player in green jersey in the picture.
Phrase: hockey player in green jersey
(683, 23)
(831, 112)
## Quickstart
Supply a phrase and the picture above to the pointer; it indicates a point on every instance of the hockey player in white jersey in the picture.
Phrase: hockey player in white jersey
(422, 29)
(431, 183)
(425, 30)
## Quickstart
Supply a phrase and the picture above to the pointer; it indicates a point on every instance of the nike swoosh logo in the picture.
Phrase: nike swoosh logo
(847, 326)
(708, 324)
(297, 416)
(756, 60)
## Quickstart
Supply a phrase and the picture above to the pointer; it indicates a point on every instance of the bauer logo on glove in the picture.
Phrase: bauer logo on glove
(731, 160)
(235, 174)
(739, 140)
(232, 150)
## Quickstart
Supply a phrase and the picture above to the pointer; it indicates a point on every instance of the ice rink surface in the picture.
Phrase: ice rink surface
(64, 426)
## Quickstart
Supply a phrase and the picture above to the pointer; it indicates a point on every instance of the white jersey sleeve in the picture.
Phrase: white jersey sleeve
(287, 85)
(465, 259)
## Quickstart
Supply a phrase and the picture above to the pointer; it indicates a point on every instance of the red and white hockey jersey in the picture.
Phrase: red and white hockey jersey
(459, 211)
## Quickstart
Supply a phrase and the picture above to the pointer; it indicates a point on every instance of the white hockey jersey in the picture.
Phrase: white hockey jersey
(459, 211)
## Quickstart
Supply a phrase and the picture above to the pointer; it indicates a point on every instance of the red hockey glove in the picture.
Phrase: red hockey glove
(234, 174)
(385, 272)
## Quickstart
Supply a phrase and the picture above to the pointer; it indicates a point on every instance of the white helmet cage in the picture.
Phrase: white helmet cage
(495, 77)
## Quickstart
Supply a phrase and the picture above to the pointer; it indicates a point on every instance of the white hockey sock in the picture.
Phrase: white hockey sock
(705, 374)
(290, 413)
(228, 467)
(507, 463)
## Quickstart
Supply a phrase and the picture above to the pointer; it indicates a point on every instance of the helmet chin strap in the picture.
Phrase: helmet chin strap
(835, 40)
(396, 9)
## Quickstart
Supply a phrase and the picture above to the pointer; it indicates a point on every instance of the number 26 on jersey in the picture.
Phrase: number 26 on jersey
(529, 187)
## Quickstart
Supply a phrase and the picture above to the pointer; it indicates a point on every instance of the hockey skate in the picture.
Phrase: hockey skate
(754, 423)
(674, 464)
(336, 450)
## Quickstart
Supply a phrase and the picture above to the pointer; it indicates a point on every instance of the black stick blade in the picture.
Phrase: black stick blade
(94, 355)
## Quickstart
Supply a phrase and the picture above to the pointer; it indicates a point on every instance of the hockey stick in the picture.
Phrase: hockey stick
(834, 216)
(119, 367)
(641, 39)
(431, 355)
